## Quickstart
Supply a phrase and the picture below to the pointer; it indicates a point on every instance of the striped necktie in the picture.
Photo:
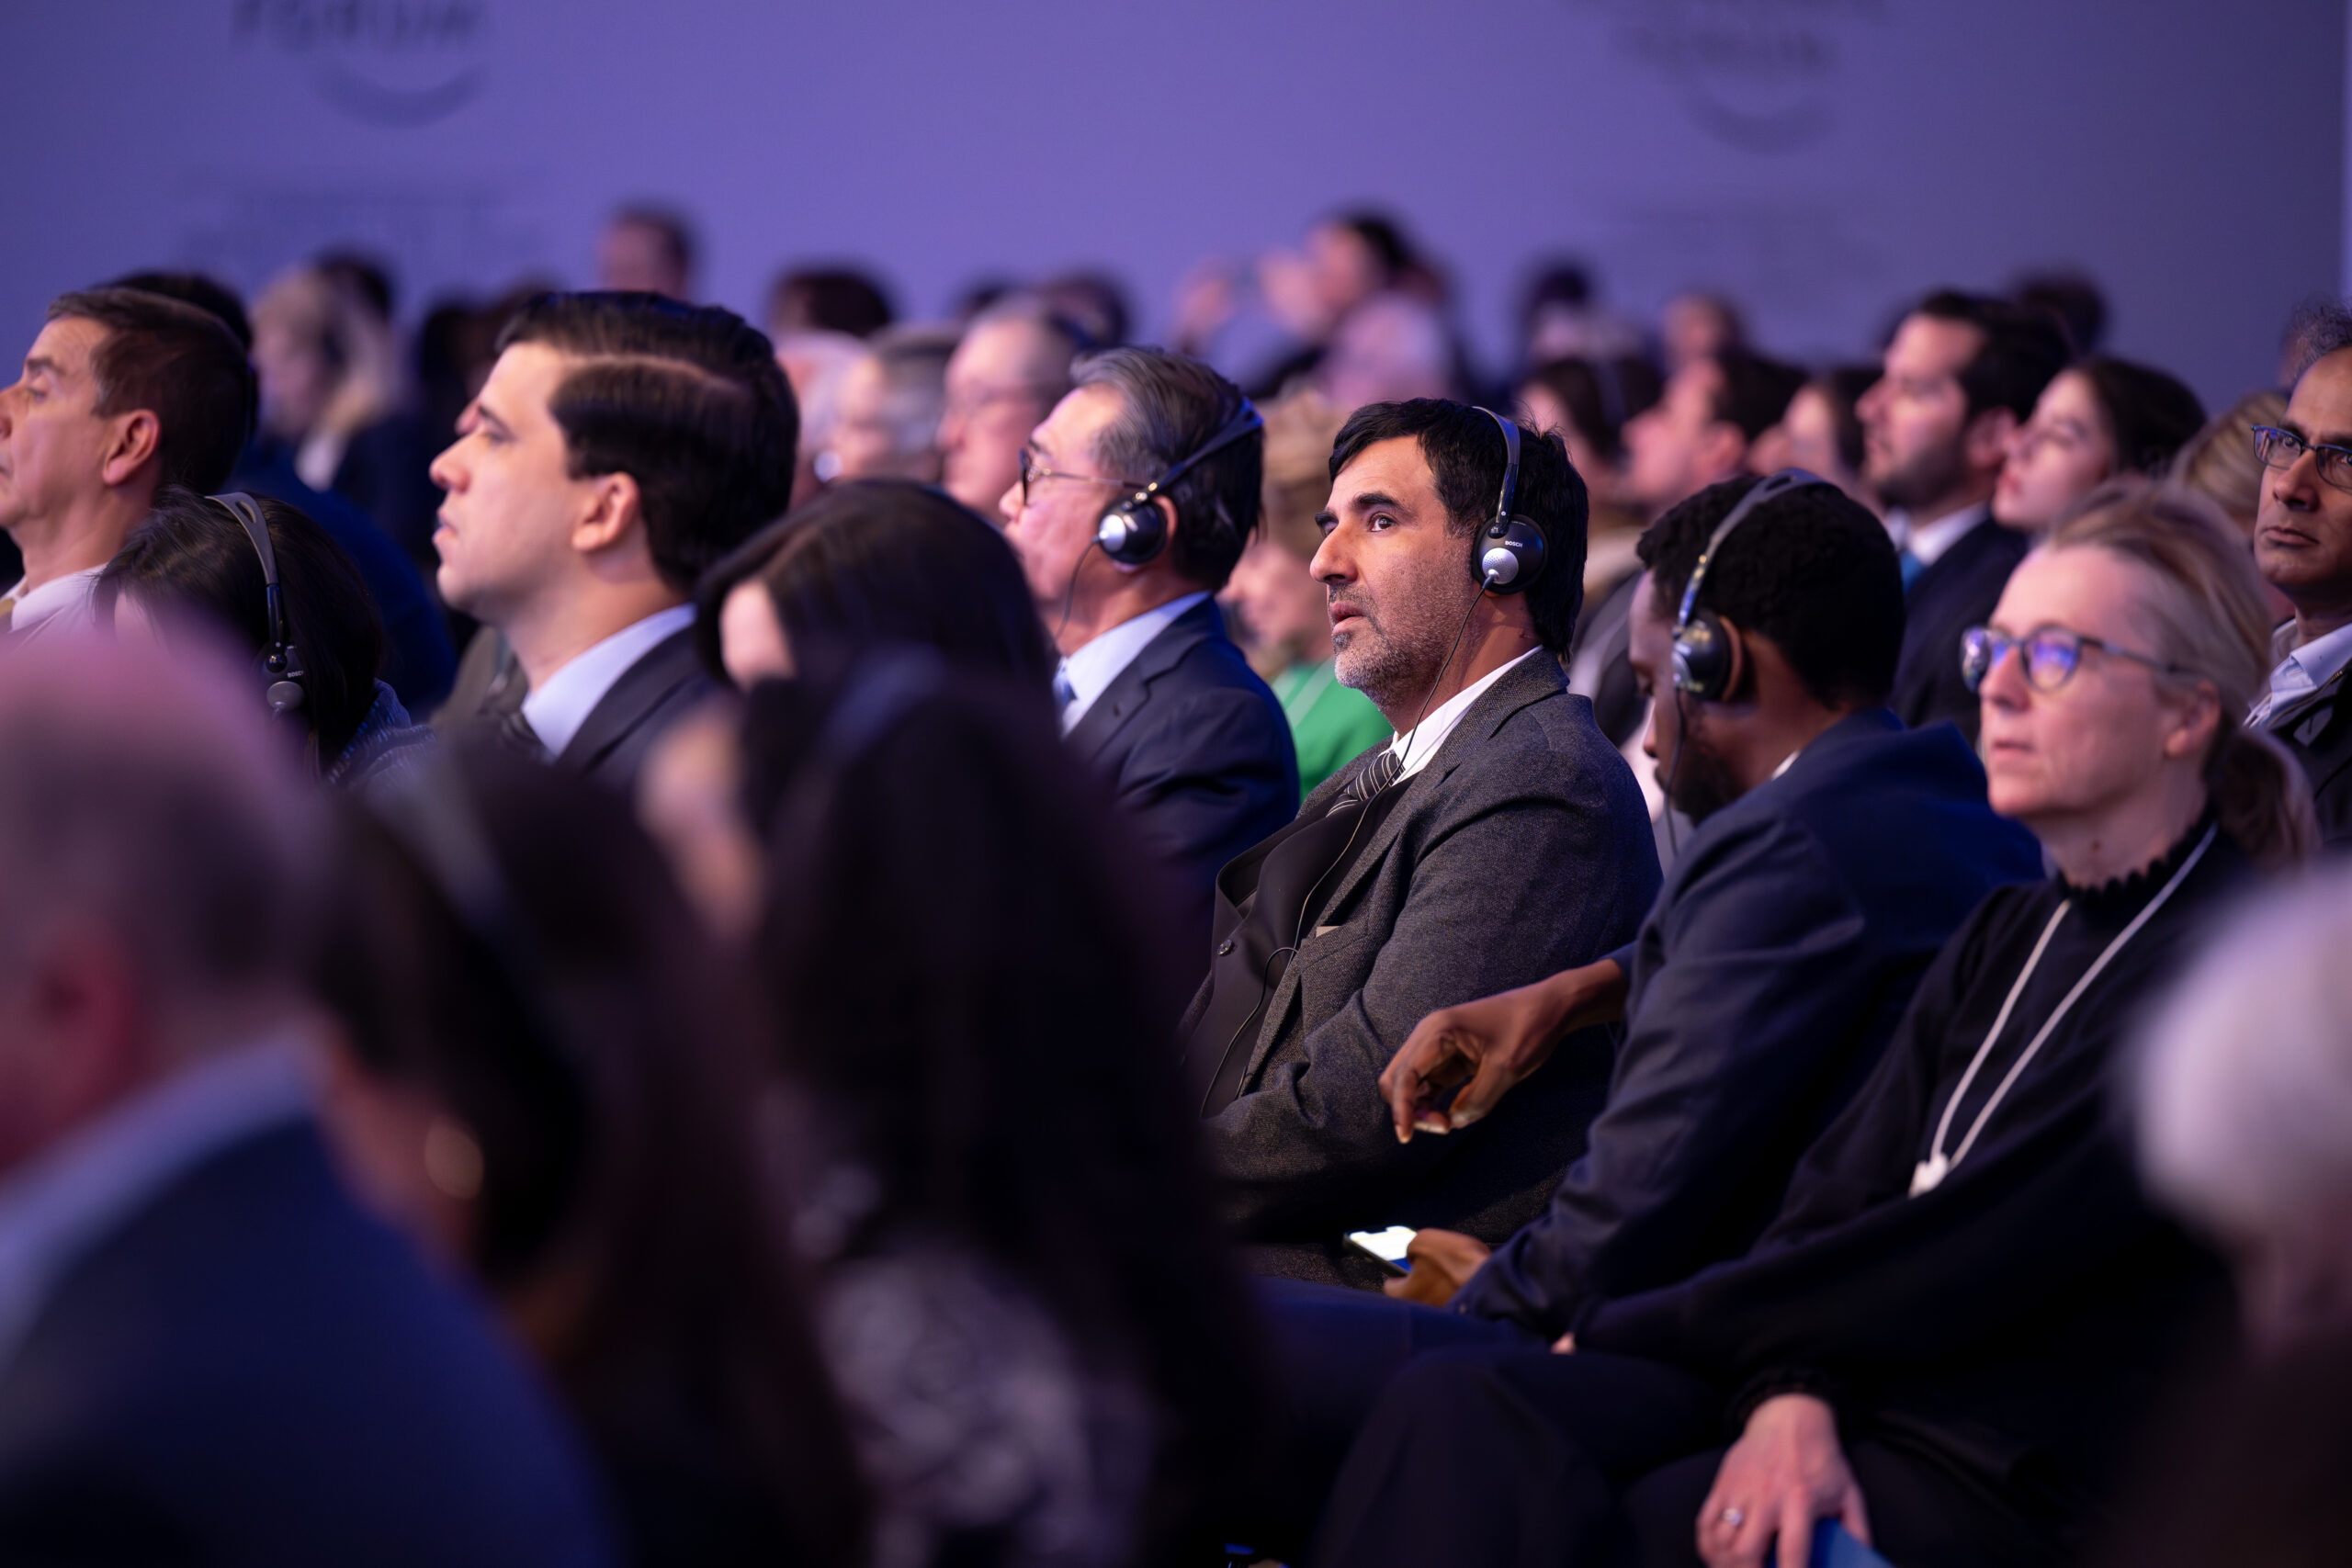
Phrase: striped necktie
(1380, 770)
(514, 733)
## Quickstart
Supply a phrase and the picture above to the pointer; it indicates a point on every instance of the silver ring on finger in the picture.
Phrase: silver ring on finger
(1733, 1517)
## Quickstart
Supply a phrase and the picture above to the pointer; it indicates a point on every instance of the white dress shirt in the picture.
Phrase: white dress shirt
(558, 706)
(2302, 671)
(62, 603)
(1087, 672)
(1418, 744)
(1928, 540)
(71, 1197)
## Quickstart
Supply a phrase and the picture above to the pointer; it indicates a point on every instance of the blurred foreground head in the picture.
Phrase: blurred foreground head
(156, 845)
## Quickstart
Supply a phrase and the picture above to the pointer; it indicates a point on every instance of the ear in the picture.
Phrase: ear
(1742, 669)
(131, 446)
(1985, 443)
(615, 506)
(2199, 719)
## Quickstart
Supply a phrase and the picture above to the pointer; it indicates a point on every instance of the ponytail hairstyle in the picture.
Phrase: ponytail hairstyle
(2207, 614)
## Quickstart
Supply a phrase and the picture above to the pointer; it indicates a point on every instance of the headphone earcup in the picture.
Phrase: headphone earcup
(284, 698)
(1509, 557)
(1702, 658)
(1133, 534)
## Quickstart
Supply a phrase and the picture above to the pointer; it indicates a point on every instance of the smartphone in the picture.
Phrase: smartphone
(1387, 1246)
(1834, 1546)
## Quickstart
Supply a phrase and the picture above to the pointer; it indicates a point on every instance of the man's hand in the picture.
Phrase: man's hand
(1443, 1263)
(1491, 1044)
(1784, 1473)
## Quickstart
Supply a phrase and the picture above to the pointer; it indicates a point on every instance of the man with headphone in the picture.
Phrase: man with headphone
(1497, 839)
(1136, 497)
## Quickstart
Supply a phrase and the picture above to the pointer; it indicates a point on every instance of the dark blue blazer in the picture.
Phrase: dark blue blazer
(250, 1371)
(1957, 593)
(1765, 985)
(1199, 755)
(419, 662)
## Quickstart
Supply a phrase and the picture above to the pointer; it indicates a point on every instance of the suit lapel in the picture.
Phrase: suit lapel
(669, 664)
(2304, 720)
(1129, 689)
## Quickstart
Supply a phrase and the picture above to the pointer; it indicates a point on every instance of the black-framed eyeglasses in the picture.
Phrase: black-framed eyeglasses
(2051, 655)
(2279, 448)
(1036, 472)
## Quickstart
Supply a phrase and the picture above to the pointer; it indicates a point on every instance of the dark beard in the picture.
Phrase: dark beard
(1702, 784)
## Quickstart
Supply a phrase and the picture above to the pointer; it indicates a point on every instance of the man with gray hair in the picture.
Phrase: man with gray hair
(207, 1350)
(1133, 500)
(885, 422)
(1010, 369)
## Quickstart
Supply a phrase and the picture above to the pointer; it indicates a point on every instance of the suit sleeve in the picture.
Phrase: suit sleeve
(1216, 775)
(1768, 977)
(1518, 891)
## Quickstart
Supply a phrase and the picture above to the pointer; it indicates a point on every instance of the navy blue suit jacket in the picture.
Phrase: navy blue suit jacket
(1957, 593)
(1764, 987)
(250, 1371)
(1198, 754)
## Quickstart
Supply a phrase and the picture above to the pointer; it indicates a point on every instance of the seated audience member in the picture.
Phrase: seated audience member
(1024, 1299)
(1391, 347)
(1562, 316)
(548, 1078)
(621, 445)
(1836, 854)
(887, 423)
(1821, 433)
(1589, 402)
(1007, 374)
(1949, 1335)
(647, 249)
(818, 366)
(2073, 299)
(123, 392)
(314, 631)
(419, 664)
(2302, 544)
(865, 566)
(827, 299)
(1696, 326)
(2097, 419)
(1961, 373)
(1499, 838)
(1093, 301)
(1155, 699)
(1285, 612)
(211, 1353)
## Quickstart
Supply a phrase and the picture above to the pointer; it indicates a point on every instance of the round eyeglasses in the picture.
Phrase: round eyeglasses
(2051, 655)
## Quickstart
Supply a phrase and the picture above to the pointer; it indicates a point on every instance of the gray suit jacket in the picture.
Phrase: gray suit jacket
(1520, 850)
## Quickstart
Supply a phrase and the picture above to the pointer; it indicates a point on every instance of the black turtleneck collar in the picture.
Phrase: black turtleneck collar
(2123, 896)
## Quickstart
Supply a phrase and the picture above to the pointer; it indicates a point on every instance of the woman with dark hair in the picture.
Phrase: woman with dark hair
(865, 564)
(548, 1078)
(1027, 1304)
(2097, 419)
(193, 556)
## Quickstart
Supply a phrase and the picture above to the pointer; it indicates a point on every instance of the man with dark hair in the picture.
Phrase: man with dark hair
(123, 391)
(2302, 544)
(1155, 698)
(647, 249)
(1962, 372)
(621, 444)
(827, 299)
(1007, 374)
(1700, 430)
(1499, 838)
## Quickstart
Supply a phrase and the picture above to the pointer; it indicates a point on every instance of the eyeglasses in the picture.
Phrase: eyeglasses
(2279, 448)
(2051, 655)
(1034, 472)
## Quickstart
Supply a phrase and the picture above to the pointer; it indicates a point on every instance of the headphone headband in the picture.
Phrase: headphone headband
(1704, 661)
(278, 660)
(1770, 488)
(1131, 532)
(1510, 551)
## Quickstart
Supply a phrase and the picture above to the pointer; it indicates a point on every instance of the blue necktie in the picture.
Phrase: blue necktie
(1911, 567)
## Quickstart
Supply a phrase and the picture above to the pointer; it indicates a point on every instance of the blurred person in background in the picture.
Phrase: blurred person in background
(1695, 325)
(122, 392)
(1390, 348)
(1561, 317)
(1024, 1296)
(419, 662)
(817, 364)
(1821, 433)
(1284, 611)
(867, 565)
(886, 418)
(845, 300)
(194, 560)
(1962, 372)
(2219, 463)
(1006, 374)
(1093, 300)
(2073, 299)
(1155, 699)
(2098, 418)
(1589, 402)
(551, 1081)
(209, 1352)
(1308, 293)
(622, 445)
(649, 249)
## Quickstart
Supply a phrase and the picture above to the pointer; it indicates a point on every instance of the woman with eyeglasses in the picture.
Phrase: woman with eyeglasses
(1949, 1334)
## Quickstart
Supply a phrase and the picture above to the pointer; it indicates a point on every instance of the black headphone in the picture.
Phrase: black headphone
(1510, 551)
(1133, 531)
(1706, 667)
(280, 661)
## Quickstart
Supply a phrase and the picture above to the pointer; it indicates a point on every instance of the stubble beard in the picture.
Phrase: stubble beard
(1393, 655)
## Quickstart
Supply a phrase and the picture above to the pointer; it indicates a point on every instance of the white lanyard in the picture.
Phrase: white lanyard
(1929, 1173)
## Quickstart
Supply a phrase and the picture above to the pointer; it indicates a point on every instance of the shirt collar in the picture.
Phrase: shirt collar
(1091, 670)
(68, 596)
(1928, 540)
(558, 706)
(2305, 669)
(54, 1210)
(1421, 743)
